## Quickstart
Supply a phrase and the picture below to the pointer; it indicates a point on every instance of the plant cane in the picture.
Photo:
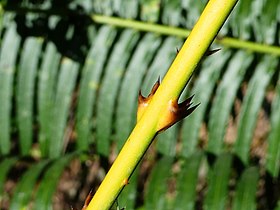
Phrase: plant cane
(160, 109)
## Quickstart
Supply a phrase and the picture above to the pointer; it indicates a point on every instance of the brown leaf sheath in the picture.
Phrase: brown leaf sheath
(174, 113)
(143, 102)
(88, 199)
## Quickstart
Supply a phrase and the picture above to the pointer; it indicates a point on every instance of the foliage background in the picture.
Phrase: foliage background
(68, 95)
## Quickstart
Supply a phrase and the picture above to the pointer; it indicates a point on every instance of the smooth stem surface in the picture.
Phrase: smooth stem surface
(172, 85)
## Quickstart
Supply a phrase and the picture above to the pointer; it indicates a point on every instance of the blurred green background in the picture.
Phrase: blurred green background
(69, 81)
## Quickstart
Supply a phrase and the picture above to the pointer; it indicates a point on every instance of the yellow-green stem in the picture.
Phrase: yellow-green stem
(172, 85)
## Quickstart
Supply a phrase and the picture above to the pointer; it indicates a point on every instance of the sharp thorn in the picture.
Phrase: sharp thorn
(186, 103)
(155, 87)
(190, 110)
(211, 52)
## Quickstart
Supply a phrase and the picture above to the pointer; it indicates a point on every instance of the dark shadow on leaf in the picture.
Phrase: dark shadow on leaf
(67, 28)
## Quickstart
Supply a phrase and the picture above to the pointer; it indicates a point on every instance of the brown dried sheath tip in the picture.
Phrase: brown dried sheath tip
(125, 182)
(88, 199)
(143, 102)
(175, 113)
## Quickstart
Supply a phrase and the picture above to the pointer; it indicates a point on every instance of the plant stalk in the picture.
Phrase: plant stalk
(202, 35)
(180, 32)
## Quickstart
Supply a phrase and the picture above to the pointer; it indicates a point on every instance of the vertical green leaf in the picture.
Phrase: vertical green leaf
(241, 19)
(217, 192)
(245, 198)
(67, 75)
(187, 182)
(47, 80)
(268, 22)
(273, 152)
(25, 92)
(9, 50)
(251, 105)
(171, 14)
(155, 197)
(108, 93)
(224, 99)
(89, 84)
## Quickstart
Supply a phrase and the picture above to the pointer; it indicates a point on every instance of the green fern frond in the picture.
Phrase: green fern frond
(69, 79)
